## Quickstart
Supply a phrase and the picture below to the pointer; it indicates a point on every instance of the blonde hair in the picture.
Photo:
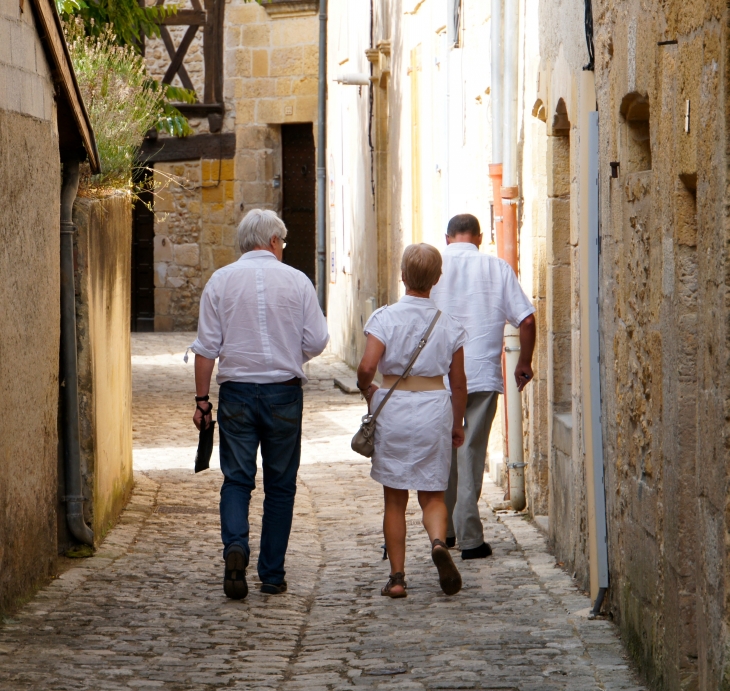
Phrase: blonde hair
(421, 267)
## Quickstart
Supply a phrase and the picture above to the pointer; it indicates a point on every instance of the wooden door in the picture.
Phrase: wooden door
(299, 183)
(143, 256)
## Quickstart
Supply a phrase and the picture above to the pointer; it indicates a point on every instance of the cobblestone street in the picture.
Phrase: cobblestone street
(148, 610)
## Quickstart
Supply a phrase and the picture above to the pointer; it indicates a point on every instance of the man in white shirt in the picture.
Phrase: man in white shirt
(482, 292)
(261, 319)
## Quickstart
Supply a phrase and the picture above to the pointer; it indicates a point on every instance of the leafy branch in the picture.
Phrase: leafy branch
(130, 20)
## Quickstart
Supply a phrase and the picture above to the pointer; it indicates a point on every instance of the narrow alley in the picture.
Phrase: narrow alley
(148, 610)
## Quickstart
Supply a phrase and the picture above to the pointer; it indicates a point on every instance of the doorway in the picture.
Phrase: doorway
(143, 255)
(299, 185)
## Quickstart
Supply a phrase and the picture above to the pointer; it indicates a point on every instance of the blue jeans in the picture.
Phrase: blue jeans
(269, 415)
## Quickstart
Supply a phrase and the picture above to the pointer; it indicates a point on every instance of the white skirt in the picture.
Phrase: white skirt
(413, 440)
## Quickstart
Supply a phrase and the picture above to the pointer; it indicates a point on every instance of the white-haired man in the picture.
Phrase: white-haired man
(261, 319)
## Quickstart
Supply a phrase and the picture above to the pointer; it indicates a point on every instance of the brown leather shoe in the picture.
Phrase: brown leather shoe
(396, 579)
(449, 576)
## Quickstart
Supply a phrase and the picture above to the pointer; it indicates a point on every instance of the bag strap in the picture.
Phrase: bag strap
(421, 345)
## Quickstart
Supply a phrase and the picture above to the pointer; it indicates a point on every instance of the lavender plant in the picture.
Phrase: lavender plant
(123, 102)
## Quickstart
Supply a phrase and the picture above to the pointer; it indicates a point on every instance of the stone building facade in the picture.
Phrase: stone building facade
(662, 85)
(623, 237)
(44, 130)
(270, 63)
(29, 290)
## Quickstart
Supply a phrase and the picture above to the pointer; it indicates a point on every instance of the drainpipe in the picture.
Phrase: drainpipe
(322, 160)
(69, 367)
(510, 194)
(495, 167)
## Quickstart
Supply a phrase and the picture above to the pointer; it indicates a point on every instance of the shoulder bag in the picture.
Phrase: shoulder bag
(364, 440)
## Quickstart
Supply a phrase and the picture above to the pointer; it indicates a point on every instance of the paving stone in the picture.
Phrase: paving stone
(148, 611)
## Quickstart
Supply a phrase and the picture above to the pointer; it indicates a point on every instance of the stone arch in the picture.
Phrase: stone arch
(539, 111)
(636, 114)
(561, 121)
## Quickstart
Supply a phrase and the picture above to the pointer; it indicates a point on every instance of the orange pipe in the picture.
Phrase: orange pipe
(495, 173)
(509, 232)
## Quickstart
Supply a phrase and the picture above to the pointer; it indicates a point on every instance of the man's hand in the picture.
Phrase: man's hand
(198, 416)
(523, 374)
(457, 436)
(528, 334)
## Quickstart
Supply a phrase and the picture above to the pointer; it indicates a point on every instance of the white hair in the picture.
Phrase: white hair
(257, 229)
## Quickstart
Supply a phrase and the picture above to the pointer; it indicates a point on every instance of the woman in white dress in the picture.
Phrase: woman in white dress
(421, 421)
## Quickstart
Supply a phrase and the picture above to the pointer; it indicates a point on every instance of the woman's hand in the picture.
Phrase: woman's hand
(457, 436)
(374, 350)
(368, 393)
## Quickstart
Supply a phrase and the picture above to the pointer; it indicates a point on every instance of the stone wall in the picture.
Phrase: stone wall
(270, 79)
(30, 314)
(103, 285)
(553, 99)
(195, 234)
(664, 301)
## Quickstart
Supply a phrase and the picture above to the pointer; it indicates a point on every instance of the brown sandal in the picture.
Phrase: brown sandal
(395, 579)
(449, 576)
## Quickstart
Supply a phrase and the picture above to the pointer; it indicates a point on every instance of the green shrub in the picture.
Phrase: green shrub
(122, 101)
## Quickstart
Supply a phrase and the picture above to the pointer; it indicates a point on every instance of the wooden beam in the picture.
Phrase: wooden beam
(209, 52)
(198, 110)
(210, 146)
(182, 72)
(179, 55)
(186, 18)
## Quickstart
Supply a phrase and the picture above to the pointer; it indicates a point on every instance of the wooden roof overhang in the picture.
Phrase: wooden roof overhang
(74, 127)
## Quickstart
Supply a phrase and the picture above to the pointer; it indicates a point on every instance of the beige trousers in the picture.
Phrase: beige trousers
(467, 471)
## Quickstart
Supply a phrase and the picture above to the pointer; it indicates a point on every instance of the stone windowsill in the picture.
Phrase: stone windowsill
(280, 9)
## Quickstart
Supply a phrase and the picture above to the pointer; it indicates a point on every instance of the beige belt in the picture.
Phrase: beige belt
(414, 383)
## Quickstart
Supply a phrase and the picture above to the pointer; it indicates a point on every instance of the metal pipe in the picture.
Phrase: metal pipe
(496, 87)
(515, 465)
(510, 195)
(322, 160)
(511, 65)
(69, 365)
(495, 169)
(598, 603)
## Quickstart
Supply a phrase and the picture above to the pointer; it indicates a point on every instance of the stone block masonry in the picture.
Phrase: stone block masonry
(195, 222)
(26, 85)
(270, 79)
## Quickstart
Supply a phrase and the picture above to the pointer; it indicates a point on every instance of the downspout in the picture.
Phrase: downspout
(69, 366)
(510, 196)
(495, 167)
(322, 160)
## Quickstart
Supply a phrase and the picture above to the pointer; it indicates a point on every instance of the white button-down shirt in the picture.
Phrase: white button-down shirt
(482, 293)
(261, 319)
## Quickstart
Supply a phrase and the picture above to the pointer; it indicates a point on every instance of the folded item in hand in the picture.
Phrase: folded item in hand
(205, 446)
